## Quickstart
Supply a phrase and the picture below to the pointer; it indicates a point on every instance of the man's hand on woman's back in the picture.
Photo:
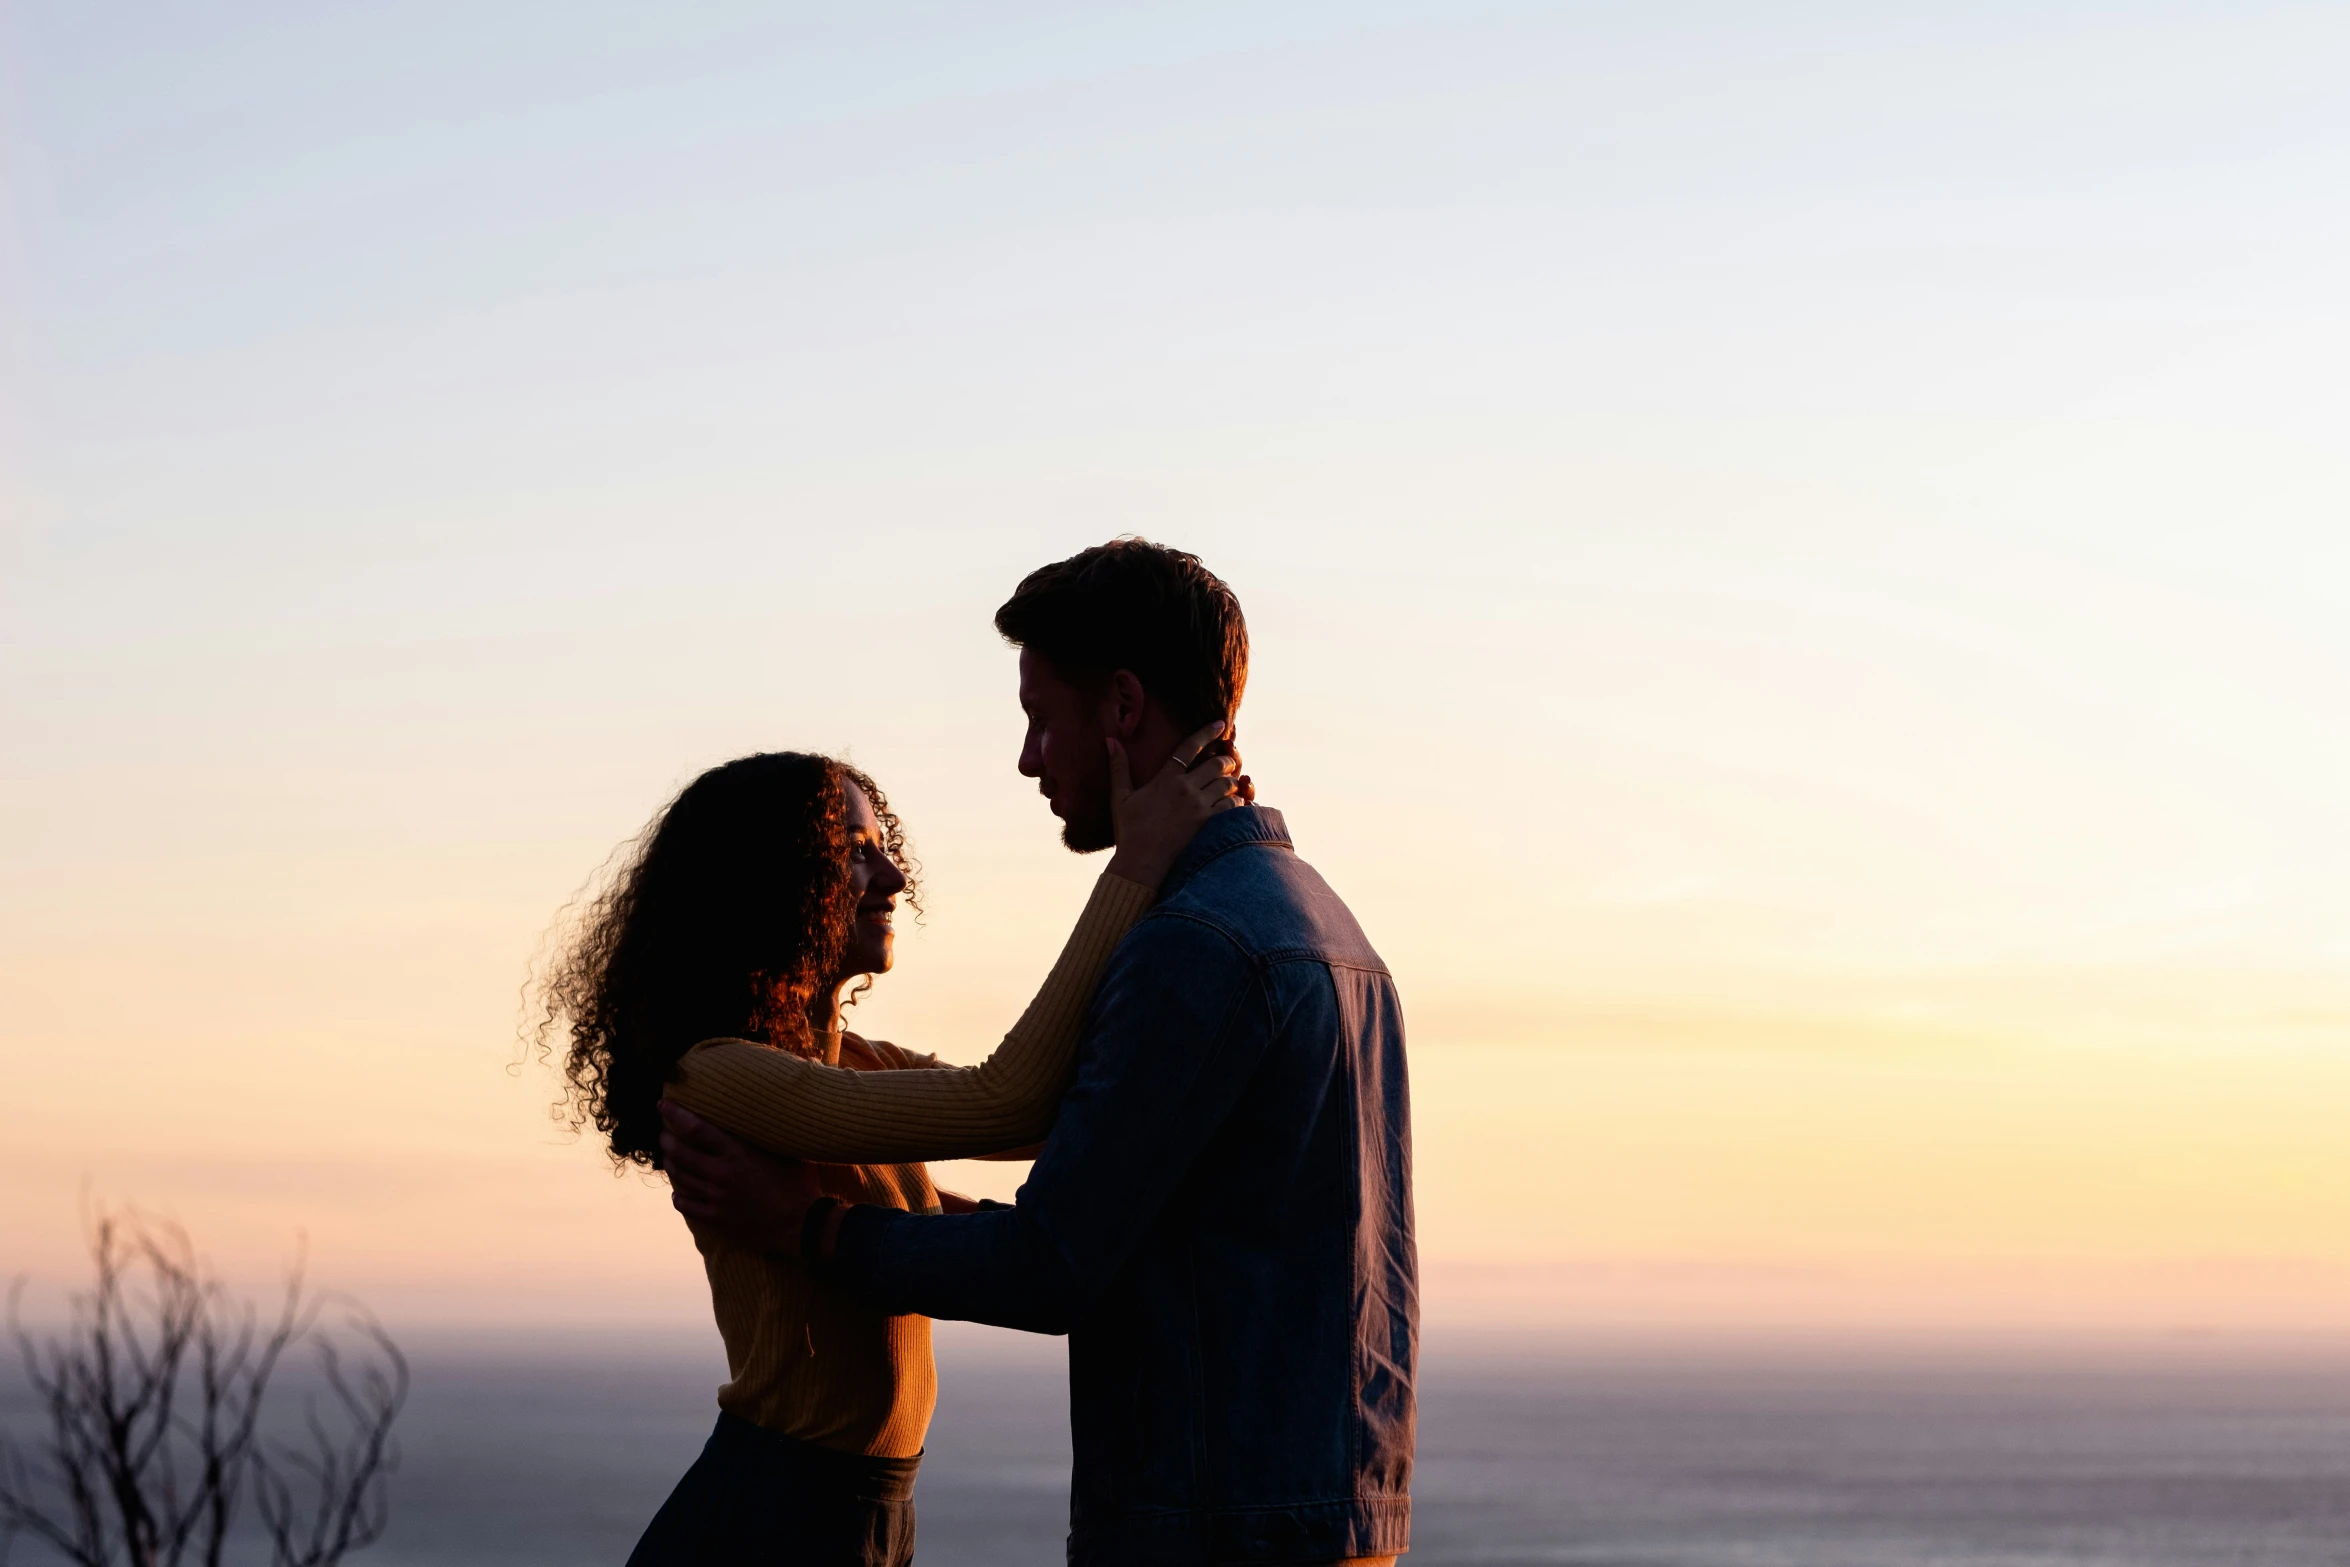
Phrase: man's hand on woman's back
(729, 1190)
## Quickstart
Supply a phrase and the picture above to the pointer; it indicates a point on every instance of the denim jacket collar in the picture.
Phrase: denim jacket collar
(1225, 831)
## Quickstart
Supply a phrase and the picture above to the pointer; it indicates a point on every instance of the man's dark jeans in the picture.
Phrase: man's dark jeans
(1221, 1222)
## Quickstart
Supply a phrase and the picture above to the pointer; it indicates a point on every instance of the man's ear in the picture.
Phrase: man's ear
(1122, 706)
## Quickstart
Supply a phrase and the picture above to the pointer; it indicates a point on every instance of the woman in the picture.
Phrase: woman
(763, 893)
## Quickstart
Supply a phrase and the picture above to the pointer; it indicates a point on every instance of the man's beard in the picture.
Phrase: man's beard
(1090, 833)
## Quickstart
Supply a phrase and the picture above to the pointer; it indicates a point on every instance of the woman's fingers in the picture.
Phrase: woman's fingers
(1204, 773)
(1191, 787)
(1217, 792)
(1212, 788)
(1196, 742)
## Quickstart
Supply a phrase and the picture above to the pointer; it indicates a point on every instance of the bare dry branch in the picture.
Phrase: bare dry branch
(156, 1398)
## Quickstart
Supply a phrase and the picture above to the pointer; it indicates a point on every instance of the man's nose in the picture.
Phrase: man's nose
(1031, 758)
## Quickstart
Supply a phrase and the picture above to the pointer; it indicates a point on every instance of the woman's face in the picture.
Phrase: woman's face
(875, 882)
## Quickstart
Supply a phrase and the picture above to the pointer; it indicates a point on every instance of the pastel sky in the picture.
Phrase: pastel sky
(1799, 560)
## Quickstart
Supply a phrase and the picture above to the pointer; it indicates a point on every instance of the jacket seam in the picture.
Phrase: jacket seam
(1213, 855)
(1262, 960)
(1356, 1285)
(1230, 940)
(1202, 1482)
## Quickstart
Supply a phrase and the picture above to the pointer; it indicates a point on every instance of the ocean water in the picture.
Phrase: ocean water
(545, 1453)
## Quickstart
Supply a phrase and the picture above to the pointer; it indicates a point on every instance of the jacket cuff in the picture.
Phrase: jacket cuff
(855, 1250)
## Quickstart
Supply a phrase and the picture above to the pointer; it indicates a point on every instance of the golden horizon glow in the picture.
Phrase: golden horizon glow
(1808, 622)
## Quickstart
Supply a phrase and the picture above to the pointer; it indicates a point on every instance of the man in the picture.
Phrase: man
(1221, 1219)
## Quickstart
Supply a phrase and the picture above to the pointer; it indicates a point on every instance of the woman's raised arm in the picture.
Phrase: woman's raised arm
(790, 1105)
(793, 1106)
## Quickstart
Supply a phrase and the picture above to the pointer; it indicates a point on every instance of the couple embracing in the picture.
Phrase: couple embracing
(1210, 1079)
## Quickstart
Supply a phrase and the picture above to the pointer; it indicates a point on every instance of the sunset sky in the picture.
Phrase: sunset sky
(1799, 566)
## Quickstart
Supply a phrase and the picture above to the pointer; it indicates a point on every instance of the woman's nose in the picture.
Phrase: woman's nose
(889, 879)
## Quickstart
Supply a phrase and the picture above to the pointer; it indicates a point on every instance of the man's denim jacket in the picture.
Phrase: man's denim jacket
(1221, 1222)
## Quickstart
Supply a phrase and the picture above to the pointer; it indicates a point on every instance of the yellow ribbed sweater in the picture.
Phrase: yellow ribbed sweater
(805, 1359)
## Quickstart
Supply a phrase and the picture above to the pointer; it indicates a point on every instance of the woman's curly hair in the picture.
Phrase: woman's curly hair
(730, 915)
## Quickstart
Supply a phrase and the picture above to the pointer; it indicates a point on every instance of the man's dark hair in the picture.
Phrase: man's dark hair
(1134, 605)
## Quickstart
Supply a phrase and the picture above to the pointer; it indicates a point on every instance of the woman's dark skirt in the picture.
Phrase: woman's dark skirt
(758, 1498)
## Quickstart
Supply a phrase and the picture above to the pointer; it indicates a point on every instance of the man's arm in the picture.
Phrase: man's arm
(1175, 1033)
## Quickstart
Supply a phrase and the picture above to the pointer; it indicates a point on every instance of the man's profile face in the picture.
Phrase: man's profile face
(1066, 753)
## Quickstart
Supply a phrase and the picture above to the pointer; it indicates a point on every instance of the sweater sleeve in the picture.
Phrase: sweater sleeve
(811, 1111)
